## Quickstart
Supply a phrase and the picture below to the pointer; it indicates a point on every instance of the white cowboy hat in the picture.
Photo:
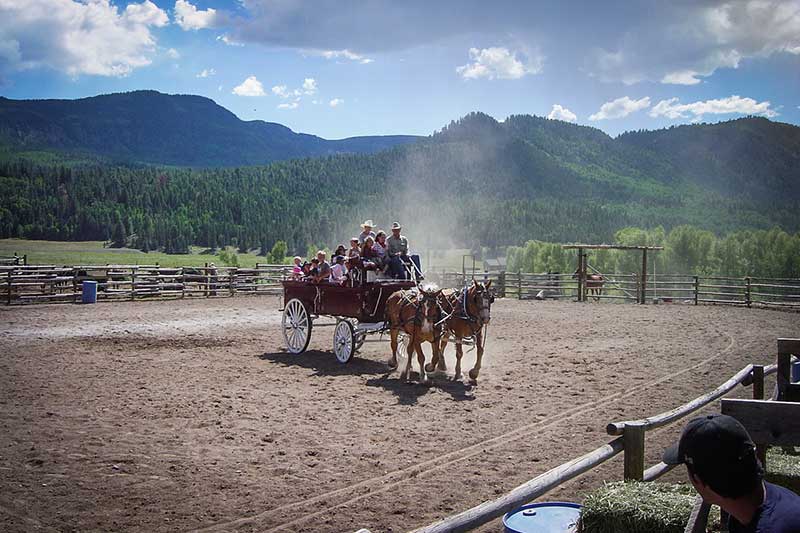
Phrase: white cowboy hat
(368, 223)
(396, 225)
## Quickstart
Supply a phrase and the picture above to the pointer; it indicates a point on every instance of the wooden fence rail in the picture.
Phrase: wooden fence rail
(631, 443)
(748, 291)
(47, 283)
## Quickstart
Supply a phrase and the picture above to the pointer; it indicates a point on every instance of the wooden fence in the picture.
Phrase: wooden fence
(630, 441)
(748, 291)
(48, 283)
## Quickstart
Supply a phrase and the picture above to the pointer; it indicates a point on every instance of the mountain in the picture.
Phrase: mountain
(151, 127)
(476, 181)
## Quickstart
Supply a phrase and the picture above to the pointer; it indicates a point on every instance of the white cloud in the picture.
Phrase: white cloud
(683, 77)
(281, 90)
(309, 86)
(249, 87)
(227, 40)
(672, 109)
(346, 54)
(173, 54)
(206, 73)
(500, 63)
(336, 102)
(682, 42)
(189, 17)
(77, 38)
(290, 105)
(147, 14)
(621, 107)
(562, 113)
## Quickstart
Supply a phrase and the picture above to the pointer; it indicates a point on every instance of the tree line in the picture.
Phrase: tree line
(687, 250)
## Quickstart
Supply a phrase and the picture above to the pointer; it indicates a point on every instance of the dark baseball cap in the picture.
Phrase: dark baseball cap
(712, 442)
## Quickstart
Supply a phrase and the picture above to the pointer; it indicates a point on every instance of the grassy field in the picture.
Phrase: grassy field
(95, 253)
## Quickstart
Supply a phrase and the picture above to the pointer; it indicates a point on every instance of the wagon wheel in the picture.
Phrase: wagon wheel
(344, 341)
(296, 325)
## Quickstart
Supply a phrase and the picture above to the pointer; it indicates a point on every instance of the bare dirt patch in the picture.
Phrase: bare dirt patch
(162, 416)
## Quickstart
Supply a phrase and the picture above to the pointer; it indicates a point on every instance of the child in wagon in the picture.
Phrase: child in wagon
(297, 269)
(338, 270)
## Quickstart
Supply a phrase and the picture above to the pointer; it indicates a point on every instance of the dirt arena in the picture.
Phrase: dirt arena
(187, 415)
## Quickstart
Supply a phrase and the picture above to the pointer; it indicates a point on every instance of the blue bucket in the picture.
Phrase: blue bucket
(549, 517)
(795, 377)
(89, 292)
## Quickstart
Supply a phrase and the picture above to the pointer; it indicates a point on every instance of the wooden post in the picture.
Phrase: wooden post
(758, 394)
(231, 277)
(696, 289)
(183, 283)
(501, 281)
(786, 348)
(75, 285)
(519, 284)
(747, 299)
(8, 300)
(634, 451)
(758, 382)
(133, 283)
(581, 275)
(643, 297)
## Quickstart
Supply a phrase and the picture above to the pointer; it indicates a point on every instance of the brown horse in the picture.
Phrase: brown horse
(594, 284)
(469, 310)
(417, 313)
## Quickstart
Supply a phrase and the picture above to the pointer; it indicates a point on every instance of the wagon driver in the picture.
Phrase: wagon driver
(397, 253)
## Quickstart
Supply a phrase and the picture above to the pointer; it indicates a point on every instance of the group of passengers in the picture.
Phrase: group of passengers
(369, 251)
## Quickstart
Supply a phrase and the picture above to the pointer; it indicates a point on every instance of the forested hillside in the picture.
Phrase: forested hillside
(477, 181)
(151, 127)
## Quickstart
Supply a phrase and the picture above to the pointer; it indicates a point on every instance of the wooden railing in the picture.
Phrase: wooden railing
(630, 442)
(48, 283)
(748, 291)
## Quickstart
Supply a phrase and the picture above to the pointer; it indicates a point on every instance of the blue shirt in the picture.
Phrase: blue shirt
(780, 513)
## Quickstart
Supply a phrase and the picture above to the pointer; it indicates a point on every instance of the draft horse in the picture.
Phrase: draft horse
(468, 312)
(418, 313)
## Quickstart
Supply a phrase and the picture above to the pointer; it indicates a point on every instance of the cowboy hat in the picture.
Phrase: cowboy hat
(368, 223)
(396, 225)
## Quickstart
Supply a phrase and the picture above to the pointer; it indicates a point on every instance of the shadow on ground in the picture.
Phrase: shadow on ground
(325, 364)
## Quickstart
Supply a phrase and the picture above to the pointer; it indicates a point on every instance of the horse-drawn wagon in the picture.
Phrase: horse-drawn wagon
(358, 307)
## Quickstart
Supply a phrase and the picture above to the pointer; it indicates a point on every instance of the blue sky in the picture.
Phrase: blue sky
(344, 68)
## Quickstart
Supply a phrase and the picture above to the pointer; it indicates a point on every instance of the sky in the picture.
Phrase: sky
(339, 68)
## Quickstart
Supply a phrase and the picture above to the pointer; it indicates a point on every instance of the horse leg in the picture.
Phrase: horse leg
(406, 375)
(423, 377)
(473, 374)
(437, 363)
(459, 355)
(394, 333)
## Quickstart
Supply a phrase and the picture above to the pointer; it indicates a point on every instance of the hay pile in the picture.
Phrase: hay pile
(633, 507)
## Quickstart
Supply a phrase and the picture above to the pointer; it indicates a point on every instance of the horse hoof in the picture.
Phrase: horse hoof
(429, 367)
(392, 364)
(473, 375)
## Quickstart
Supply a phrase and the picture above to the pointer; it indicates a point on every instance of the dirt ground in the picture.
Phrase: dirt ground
(187, 415)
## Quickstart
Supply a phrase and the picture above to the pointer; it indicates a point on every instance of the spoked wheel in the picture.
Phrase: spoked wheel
(296, 325)
(344, 341)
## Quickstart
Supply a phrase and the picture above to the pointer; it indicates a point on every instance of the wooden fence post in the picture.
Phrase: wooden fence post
(519, 284)
(643, 299)
(8, 300)
(133, 283)
(501, 281)
(633, 437)
(696, 289)
(747, 299)
(786, 348)
(758, 394)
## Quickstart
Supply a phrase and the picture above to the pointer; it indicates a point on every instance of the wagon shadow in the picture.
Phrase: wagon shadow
(325, 364)
(408, 393)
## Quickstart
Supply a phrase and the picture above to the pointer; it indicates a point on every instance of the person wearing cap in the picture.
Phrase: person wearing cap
(722, 465)
(366, 231)
(397, 251)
